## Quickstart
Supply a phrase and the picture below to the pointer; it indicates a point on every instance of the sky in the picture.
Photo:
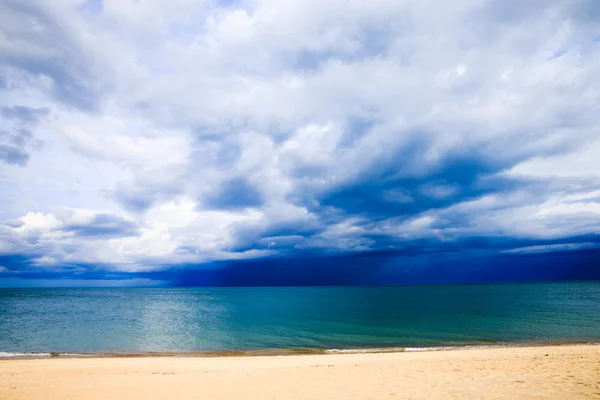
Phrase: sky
(284, 142)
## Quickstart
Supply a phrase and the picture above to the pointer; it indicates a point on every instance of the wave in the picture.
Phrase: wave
(9, 354)
(297, 351)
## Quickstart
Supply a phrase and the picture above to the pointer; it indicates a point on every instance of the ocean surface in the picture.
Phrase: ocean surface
(241, 319)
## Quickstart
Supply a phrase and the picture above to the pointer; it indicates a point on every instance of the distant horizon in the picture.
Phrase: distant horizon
(303, 286)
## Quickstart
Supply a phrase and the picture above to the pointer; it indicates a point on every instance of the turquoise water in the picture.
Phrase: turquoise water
(222, 319)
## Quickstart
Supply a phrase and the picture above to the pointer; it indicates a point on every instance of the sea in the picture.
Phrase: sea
(259, 320)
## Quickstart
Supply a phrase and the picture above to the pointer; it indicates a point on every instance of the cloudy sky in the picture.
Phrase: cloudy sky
(150, 142)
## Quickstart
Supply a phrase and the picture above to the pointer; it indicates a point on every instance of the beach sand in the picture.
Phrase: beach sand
(550, 372)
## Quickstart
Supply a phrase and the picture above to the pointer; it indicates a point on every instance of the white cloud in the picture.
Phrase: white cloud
(552, 247)
(580, 163)
(199, 131)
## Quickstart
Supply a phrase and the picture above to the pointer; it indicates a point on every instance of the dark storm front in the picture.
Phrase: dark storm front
(218, 319)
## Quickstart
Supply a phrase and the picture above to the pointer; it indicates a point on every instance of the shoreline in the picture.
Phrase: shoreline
(295, 351)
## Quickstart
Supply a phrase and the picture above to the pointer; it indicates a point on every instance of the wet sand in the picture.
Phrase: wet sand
(547, 372)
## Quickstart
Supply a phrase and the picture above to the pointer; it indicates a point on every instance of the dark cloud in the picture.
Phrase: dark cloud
(13, 146)
(137, 202)
(149, 187)
(94, 6)
(46, 48)
(20, 137)
(13, 155)
(14, 262)
(140, 196)
(365, 41)
(395, 268)
(283, 236)
(14, 223)
(235, 193)
(514, 11)
(459, 180)
(25, 115)
(473, 260)
(356, 128)
(104, 225)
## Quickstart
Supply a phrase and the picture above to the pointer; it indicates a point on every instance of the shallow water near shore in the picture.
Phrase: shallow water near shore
(299, 320)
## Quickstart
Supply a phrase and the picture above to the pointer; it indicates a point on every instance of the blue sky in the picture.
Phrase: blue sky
(298, 142)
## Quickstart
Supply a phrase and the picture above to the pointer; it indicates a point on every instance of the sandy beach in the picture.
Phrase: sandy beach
(550, 372)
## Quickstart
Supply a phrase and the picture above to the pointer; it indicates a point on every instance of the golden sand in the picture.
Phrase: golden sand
(553, 372)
